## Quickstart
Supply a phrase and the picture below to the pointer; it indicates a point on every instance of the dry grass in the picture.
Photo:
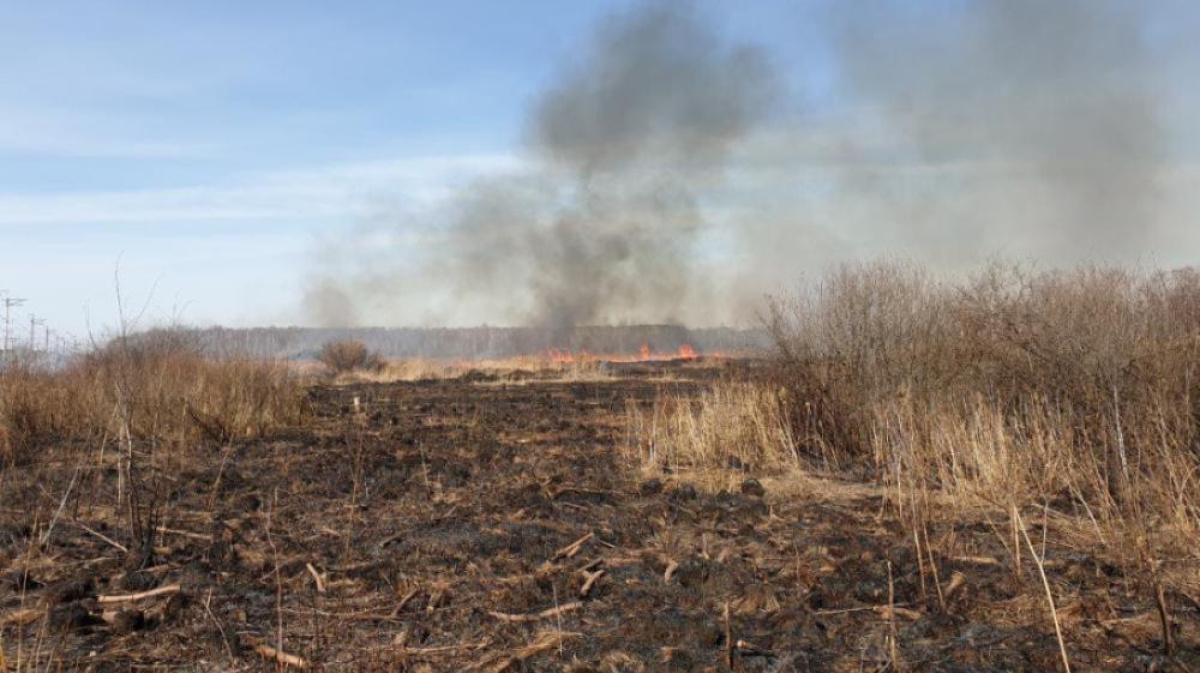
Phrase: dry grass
(509, 370)
(733, 425)
(1010, 387)
(159, 388)
(1008, 390)
(141, 408)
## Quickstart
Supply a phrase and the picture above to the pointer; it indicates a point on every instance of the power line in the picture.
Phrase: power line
(34, 323)
(9, 303)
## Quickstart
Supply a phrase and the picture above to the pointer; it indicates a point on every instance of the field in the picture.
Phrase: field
(991, 473)
(490, 523)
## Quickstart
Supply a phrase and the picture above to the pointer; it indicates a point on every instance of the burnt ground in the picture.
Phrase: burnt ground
(453, 525)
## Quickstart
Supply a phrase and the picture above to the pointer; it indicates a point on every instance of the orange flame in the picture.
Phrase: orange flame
(560, 357)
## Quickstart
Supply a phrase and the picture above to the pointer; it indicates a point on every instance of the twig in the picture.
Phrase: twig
(589, 582)
(445, 649)
(277, 651)
(748, 649)
(1062, 646)
(184, 533)
(435, 597)
(405, 599)
(672, 566)
(937, 580)
(212, 495)
(362, 616)
(104, 537)
(545, 643)
(728, 638)
(316, 577)
(169, 590)
(889, 612)
(22, 616)
(977, 560)
(1164, 617)
(221, 629)
(572, 549)
(280, 656)
(1013, 519)
(62, 504)
(591, 565)
(538, 616)
(891, 618)
(865, 608)
(957, 580)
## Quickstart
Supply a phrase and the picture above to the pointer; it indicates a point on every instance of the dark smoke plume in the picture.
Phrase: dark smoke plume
(669, 178)
(603, 228)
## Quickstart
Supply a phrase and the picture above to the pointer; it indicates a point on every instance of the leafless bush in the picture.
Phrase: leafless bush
(1010, 387)
(858, 337)
(1005, 389)
(349, 355)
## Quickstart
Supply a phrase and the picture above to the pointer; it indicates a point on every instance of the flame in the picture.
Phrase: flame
(564, 356)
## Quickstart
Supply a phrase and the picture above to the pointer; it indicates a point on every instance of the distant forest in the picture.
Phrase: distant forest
(481, 342)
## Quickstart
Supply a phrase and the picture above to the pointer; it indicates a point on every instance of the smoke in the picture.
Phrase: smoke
(670, 174)
(1027, 126)
(658, 84)
(604, 224)
(632, 131)
(640, 125)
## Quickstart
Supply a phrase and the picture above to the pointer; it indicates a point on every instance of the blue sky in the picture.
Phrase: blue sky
(207, 147)
(211, 150)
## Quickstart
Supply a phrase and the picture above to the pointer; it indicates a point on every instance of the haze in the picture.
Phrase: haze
(574, 163)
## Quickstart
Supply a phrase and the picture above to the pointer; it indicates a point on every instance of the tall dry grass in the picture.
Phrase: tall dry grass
(738, 425)
(1074, 390)
(508, 370)
(157, 387)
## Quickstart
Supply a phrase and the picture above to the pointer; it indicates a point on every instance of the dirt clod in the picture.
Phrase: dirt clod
(753, 487)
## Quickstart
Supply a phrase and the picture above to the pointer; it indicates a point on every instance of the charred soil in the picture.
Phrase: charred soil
(489, 525)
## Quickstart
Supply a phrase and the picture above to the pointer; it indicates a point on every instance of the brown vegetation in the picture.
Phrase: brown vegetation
(1062, 395)
(157, 388)
(716, 433)
(349, 355)
(1011, 388)
(505, 370)
(994, 474)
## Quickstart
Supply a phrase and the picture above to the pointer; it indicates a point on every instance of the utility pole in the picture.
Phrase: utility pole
(9, 303)
(33, 324)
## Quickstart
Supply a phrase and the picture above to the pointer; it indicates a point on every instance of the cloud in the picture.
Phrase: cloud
(334, 192)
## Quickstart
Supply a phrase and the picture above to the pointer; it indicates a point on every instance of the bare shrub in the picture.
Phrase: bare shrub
(349, 355)
(1007, 388)
(859, 336)
(1077, 390)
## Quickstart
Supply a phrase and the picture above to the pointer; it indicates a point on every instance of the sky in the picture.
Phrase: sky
(197, 152)
(205, 157)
